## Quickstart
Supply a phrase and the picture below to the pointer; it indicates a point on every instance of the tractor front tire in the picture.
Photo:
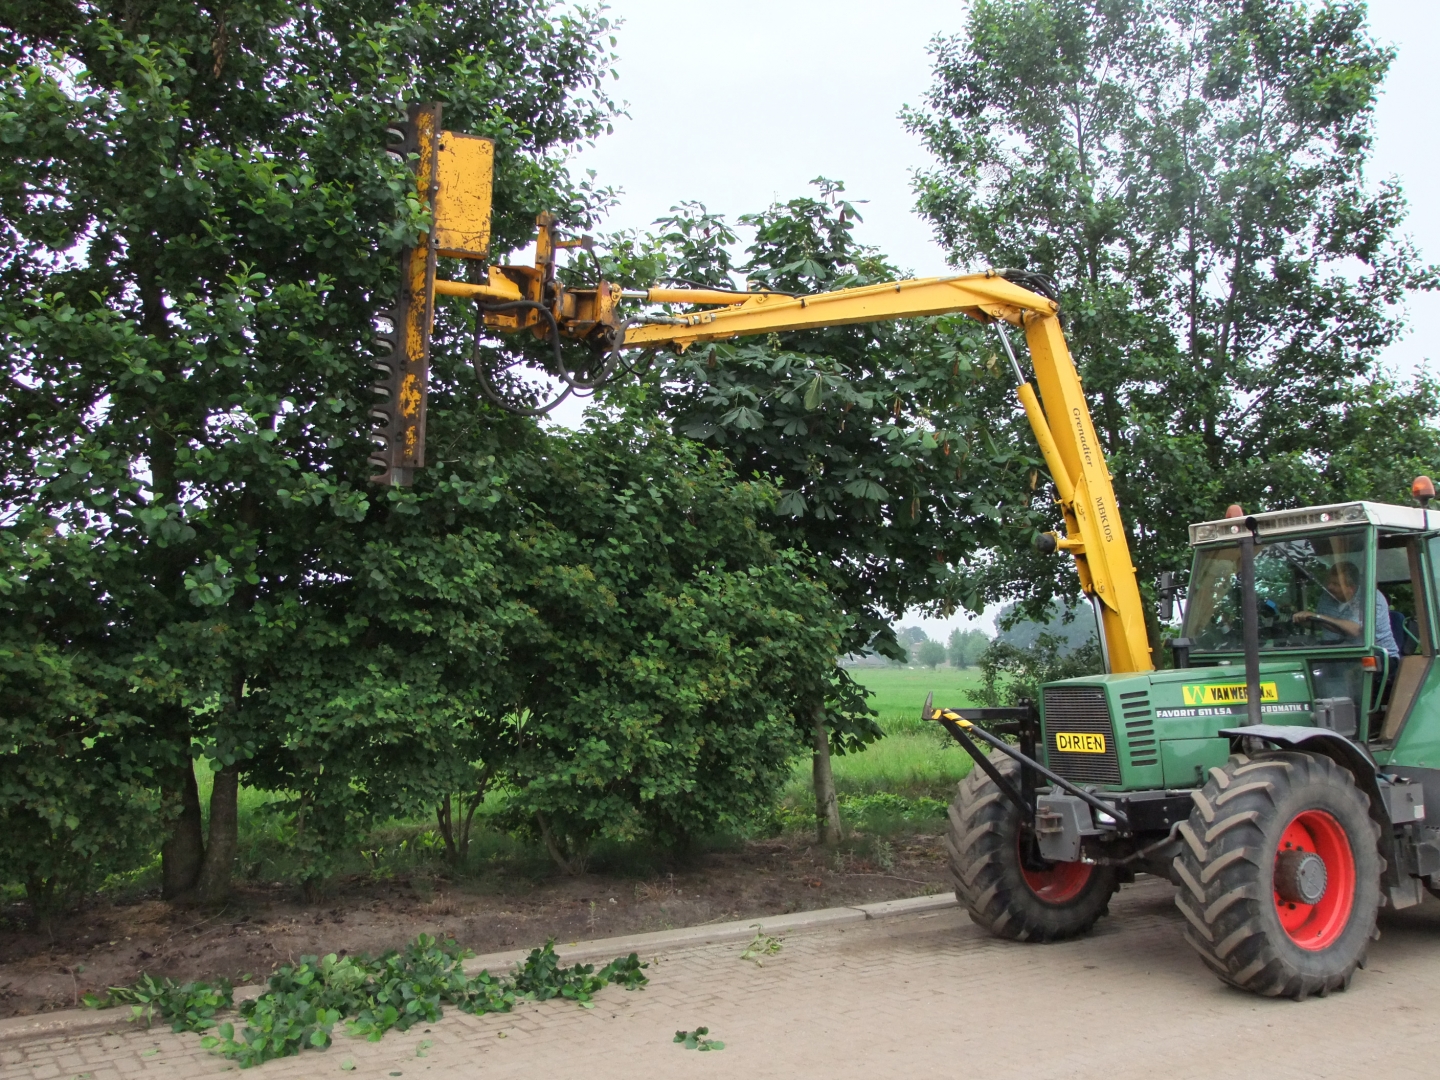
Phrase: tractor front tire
(1011, 901)
(1279, 874)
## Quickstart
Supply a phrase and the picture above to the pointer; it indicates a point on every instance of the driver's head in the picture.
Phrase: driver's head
(1344, 581)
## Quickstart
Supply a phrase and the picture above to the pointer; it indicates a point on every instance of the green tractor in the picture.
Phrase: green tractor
(1284, 775)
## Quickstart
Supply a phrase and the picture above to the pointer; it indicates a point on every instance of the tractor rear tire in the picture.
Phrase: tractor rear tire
(983, 844)
(1267, 833)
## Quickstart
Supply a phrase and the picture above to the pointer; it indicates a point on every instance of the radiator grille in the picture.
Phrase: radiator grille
(1081, 709)
(1139, 723)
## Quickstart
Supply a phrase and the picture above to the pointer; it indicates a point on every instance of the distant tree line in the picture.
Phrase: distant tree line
(962, 650)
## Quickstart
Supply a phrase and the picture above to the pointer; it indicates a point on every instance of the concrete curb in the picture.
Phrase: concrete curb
(61, 1024)
(69, 1022)
(689, 937)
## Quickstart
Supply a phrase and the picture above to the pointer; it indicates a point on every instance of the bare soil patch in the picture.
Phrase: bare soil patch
(111, 943)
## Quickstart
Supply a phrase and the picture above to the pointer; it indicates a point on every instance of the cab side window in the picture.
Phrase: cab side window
(1400, 579)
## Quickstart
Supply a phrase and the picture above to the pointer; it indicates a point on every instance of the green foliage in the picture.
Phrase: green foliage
(75, 798)
(878, 807)
(305, 1001)
(1013, 673)
(875, 433)
(696, 1040)
(965, 647)
(541, 977)
(1191, 173)
(666, 714)
(187, 1006)
(604, 625)
(884, 812)
(202, 222)
(1074, 626)
(930, 654)
(204, 226)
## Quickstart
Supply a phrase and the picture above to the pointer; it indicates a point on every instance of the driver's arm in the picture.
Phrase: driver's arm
(1348, 627)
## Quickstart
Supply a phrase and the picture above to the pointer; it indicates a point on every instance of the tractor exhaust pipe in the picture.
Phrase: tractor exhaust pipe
(1251, 615)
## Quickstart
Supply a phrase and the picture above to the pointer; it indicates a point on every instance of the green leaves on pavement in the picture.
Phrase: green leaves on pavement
(696, 1040)
(306, 1001)
(761, 946)
(187, 1006)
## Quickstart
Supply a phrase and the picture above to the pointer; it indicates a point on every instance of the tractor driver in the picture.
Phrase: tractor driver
(1341, 613)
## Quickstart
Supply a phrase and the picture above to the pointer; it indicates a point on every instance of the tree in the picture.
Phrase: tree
(876, 434)
(592, 621)
(907, 639)
(911, 635)
(930, 654)
(966, 646)
(670, 642)
(1013, 673)
(201, 225)
(1191, 173)
(75, 800)
(1072, 628)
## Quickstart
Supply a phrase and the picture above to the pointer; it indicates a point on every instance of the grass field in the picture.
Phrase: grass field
(898, 693)
(916, 761)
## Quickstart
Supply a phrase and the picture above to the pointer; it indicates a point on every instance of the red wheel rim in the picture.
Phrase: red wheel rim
(1062, 882)
(1319, 925)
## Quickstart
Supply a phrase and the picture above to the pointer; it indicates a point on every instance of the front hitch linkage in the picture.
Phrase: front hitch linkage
(961, 728)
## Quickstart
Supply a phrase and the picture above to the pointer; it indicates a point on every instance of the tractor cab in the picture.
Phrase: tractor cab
(1347, 591)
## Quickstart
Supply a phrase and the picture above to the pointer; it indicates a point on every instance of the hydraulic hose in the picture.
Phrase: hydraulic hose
(488, 389)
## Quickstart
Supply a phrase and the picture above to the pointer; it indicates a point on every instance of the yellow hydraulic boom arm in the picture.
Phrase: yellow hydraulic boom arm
(454, 172)
(1095, 535)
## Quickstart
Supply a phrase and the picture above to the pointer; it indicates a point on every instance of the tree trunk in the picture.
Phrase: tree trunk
(567, 864)
(214, 884)
(183, 853)
(40, 892)
(471, 805)
(443, 820)
(827, 805)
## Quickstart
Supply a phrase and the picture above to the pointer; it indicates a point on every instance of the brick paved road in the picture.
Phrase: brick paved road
(914, 997)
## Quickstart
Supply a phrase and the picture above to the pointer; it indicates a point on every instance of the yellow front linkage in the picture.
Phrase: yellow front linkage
(454, 175)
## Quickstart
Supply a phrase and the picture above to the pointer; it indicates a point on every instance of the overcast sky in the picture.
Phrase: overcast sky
(741, 103)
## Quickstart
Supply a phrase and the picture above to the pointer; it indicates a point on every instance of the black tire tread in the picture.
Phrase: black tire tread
(984, 864)
(1221, 875)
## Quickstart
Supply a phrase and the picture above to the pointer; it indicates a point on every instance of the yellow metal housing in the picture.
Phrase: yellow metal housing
(465, 184)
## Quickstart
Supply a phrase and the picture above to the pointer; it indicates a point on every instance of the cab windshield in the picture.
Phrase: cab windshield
(1310, 591)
